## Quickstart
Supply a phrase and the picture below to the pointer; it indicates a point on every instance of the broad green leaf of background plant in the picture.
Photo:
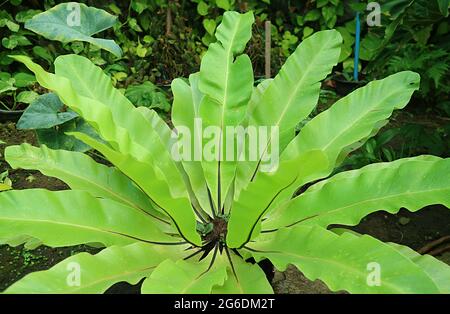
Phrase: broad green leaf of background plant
(26, 96)
(7, 86)
(226, 80)
(23, 79)
(342, 261)
(347, 197)
(97, 272)
(148, 95)
(45, 112)
(73, 21)
(56, 137)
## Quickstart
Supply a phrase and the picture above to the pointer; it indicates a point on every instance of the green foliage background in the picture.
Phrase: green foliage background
(160, 53)
(165, 39)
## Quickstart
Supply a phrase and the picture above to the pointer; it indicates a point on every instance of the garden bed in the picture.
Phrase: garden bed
(412, 229)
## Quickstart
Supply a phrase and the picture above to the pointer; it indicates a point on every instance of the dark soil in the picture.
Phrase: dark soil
(24, 179)
(412, 229)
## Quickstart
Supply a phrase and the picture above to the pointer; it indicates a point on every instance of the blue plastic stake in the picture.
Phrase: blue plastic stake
(357, 41)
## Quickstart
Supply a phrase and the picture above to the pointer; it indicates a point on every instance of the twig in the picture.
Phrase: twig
(268, 29)
(430, 246)
(168, 19)
(440, 250)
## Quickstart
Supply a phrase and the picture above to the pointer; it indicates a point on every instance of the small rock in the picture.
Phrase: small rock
(404, 220)
(278, 276)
